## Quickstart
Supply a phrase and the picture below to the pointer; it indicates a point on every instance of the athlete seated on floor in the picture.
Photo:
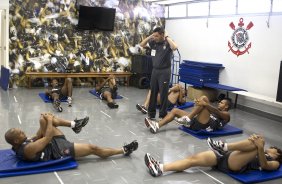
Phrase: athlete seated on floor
(50, 143)
(203, 116)
(237, 157)
(107, 89)
(176, 96)
(57, 93)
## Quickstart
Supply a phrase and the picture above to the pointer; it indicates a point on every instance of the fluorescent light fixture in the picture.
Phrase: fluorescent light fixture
(165, 2)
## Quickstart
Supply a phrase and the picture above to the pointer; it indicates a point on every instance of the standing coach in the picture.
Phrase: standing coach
(162, 47)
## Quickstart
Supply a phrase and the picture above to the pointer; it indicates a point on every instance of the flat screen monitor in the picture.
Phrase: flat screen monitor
(92, 18)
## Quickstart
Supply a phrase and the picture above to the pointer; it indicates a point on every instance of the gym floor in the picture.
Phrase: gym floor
(112, 128)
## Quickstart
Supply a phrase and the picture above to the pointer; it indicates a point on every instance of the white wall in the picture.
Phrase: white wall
(256, 72)
(4, 5)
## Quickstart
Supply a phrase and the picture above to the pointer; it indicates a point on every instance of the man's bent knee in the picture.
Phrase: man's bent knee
(205, 98)
(68, 80)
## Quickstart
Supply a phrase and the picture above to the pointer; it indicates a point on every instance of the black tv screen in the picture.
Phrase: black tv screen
(101, 18)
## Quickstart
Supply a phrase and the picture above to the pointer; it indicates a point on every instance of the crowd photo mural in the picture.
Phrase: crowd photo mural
(43, 36)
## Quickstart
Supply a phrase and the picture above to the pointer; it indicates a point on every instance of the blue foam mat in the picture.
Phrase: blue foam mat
(202, 64)
(255, 176)
(93, 92)
(46, 98)
(183, 106)
(58, 167)
(12, 166)
(222, 87)
(203, 134)
(5, 75)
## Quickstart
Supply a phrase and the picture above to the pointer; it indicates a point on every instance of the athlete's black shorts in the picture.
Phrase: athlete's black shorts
(196, 125)
(104, 89)
(222, 164)
(59, 92)
(170, 105)
(58, 147)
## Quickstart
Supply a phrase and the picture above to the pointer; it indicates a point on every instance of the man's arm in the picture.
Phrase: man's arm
(33, 148)
(146, 40)
(264, 164)
(222, 114)
(171, 43)
(102, 84)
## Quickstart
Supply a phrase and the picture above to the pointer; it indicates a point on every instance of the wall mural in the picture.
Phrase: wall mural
(43, 36)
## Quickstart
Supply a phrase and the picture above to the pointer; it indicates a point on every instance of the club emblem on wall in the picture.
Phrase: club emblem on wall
(240, 44)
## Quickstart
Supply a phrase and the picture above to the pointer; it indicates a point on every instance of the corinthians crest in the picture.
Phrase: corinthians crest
(240, 38)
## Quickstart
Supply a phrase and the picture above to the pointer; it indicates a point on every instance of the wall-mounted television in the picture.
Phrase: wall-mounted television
(96, 18)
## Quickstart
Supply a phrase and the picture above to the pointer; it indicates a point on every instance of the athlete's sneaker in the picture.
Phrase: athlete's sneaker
(69, 101)
(153, 165)
(184, 120)
(79, 123)
(217, 146)
(129, 148)
(101, 96)
(141, 108)
(57, 105)
(153, 125)
(112, 105)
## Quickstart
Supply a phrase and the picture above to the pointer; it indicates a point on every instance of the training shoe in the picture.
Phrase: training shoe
(112, 105)
(217, 146)
(141, 108)
(153, 125)
(57, 105)
(184, 120)
(129, 148)
(79, 123)
(153, 165)
(209, 129)
(69, 101)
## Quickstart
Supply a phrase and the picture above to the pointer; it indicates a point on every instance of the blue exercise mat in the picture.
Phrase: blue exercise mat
(94, 92)
(203, 134)
(46, 98)
(5, 75)
(12, 166)
(183, 106)
(222, 87)
(255, 176)
(203, 64)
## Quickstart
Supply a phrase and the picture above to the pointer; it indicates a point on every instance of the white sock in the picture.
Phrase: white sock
(162, 167)
(157, 125)
(225, 148)
(187, 118)
(72, 124)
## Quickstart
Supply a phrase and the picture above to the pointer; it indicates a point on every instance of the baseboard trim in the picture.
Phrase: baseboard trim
(260, 113)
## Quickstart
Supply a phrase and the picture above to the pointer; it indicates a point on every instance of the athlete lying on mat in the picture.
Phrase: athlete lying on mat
(203, 116)
(176, 96)
(50, 142)
(107, 88)
(56, 93)
(238, 157)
